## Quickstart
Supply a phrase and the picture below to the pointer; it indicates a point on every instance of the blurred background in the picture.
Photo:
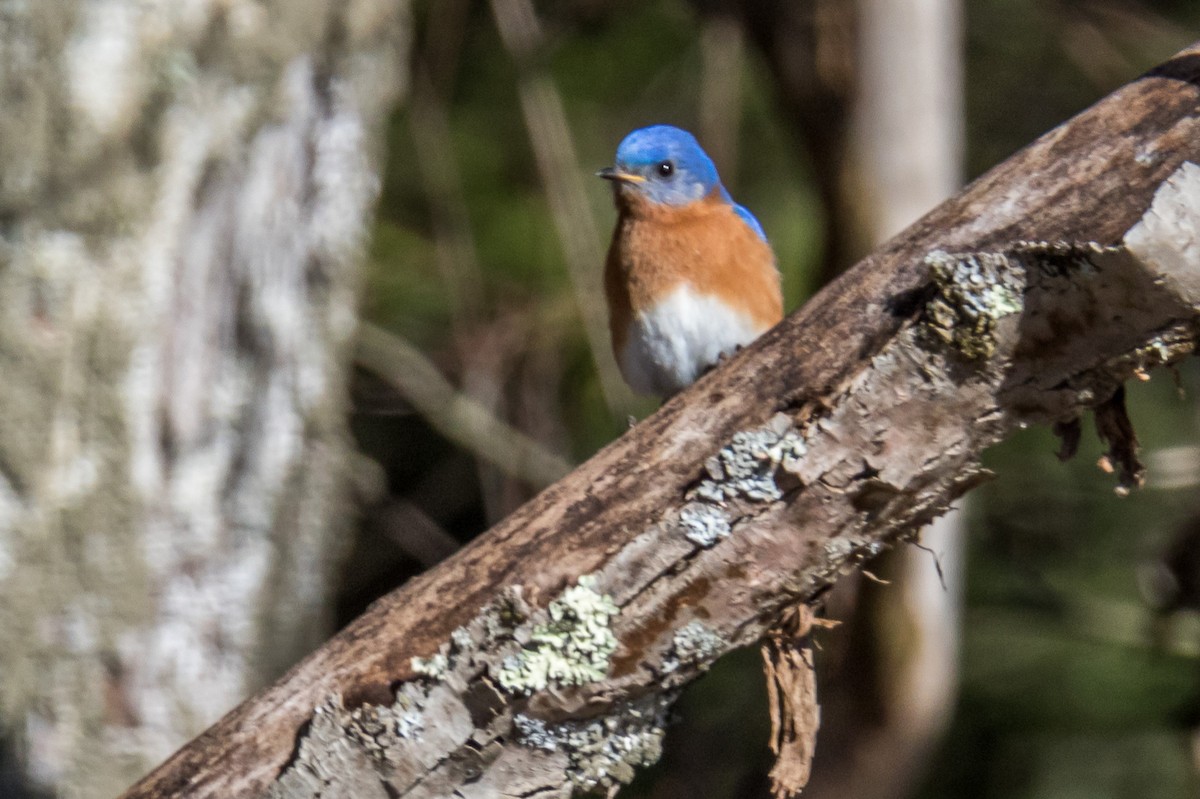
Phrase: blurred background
(1045, 644)
(1071, 682)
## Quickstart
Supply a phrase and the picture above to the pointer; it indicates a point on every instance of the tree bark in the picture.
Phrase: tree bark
(543, 657)
(890, 680)
(182, 202)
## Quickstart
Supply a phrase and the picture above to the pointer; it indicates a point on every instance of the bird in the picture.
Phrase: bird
(690, 277)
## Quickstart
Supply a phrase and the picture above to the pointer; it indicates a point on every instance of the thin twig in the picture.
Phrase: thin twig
(458, 266)
(457, 416)
(558, 166)
(722, 49)
(454, 246)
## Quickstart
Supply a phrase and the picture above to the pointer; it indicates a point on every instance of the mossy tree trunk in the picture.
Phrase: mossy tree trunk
(183, 189)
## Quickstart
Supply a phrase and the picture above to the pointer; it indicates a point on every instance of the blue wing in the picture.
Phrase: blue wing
(749, 219)
(745, 214)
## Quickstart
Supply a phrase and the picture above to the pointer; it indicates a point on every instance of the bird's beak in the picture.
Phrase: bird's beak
(611, 173)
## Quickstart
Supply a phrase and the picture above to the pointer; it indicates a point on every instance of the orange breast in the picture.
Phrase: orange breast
(655, 248)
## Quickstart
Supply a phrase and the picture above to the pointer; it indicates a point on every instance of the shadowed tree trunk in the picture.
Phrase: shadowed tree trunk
(183, 194)
(811, 51)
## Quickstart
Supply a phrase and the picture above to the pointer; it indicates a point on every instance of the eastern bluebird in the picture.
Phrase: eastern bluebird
(690, 276)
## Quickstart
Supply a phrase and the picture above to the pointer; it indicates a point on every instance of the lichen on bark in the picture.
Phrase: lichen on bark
(183, 195)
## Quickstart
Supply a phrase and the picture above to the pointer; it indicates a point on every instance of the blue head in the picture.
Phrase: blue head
(665, 165)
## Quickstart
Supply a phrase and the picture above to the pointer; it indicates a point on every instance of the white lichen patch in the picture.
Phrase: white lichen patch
(461, 639)
(354, 752)
(603, 753)
(747, 467)
(858, 549)
(704, 524)
(573, 646)
(694, 643)
(844, 553)
(496, 623)
(536, 733)
(379, 729)
(974, 291)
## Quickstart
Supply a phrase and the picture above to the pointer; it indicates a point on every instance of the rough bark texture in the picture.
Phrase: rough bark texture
(792, 700)
(183, 194)
(543, 657)
(890, 678)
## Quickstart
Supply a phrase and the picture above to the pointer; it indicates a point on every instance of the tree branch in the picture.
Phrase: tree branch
(459, 417)
(554, 151)
(544, 656)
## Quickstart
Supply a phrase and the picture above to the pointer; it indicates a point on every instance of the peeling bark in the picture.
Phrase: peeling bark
(792, 701)
(889, 682)
(542, 658)
(182, 202)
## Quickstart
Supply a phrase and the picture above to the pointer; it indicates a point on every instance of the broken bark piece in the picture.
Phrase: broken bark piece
(1115, 430)
(1069, 434)
(792, 699)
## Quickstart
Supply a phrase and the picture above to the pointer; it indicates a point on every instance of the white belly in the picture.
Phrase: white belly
(673, 343)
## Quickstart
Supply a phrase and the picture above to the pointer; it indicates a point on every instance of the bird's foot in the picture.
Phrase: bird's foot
(722, 358)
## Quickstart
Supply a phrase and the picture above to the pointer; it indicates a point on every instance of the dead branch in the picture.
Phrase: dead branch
(791, 700)
(544, 656)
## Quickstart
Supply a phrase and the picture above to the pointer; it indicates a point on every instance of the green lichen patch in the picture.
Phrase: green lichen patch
(603, 753)
(974, 291)
(1049, 281)
(572, 647)
(433, 667)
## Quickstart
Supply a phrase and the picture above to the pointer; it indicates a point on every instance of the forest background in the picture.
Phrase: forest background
(1063, 623)
(1066, 688)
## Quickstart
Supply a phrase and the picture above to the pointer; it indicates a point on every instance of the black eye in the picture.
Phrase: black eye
(666, 169)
